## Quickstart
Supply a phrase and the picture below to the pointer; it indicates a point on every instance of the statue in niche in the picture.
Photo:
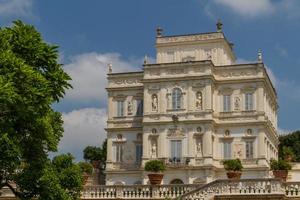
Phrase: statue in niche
(238, 151)
(199, 147)
(237, 101)
(199, 100)
(154, 102)
(129, 107)
(153, 149)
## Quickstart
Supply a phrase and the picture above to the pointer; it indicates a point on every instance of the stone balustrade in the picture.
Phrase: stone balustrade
(136, 191)
(240, 187)
(218, 188)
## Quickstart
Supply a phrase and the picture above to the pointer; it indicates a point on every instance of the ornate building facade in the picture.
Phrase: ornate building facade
(192, 109)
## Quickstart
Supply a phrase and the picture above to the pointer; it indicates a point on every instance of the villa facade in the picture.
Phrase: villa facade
(192, 109)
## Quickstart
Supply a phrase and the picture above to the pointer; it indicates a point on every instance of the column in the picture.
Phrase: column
(207, 146)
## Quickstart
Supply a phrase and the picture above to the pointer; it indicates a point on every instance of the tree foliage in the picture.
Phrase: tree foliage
(92, 153)
(290, 144)
(31, 80)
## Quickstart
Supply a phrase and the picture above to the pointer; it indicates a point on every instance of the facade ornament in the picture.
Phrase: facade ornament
(259, 56)
(159, 31)
(129, 107)
(237, 101)
(219, 25)
(154, 102)
(109, 68)
(145, 59)
(199, 100)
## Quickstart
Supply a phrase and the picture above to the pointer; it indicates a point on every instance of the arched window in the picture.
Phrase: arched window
(176, 181)
(176, 99)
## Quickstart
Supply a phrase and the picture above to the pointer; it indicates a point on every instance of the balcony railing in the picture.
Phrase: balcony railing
(176, 161)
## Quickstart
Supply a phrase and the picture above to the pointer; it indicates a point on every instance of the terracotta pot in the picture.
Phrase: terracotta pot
(155, 179)
(234, 174)
(282, 174)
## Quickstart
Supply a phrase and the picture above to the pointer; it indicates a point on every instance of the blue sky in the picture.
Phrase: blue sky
(93, 33)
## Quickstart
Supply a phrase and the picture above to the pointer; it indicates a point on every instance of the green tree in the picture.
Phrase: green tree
(92, 153)
(31, 80)
(64, 178)
(292, 142)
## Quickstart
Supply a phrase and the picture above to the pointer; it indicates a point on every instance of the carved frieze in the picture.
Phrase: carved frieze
(176, 71)
(175, 132)
(127, 81)
(238, 73)
(199, 37)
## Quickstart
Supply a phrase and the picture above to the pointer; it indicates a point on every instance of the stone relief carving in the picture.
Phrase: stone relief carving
(127, 81)
(189, 38)
(199, 100)
(175, 132)
(154, 103)
(238, 151)
(239, 73)
(176, 71)
(237, 102)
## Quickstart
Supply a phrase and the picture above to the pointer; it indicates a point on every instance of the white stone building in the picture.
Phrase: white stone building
(192, 109)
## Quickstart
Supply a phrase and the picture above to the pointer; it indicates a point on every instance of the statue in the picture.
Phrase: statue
(199, 147)
(129, 107)
(237, 103)
(154, 102)
(199, 100)
(153, 149)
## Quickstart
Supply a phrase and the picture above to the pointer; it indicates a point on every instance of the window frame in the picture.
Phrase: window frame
(177, 99)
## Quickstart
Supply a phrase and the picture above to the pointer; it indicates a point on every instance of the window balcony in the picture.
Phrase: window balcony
(176, 162)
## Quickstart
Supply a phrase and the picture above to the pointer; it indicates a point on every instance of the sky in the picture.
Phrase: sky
(93, 33)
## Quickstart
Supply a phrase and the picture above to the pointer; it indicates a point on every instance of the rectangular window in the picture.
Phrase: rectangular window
(138, 153)
(249, 149)
(139, 110)
(227, 150)
(120, 108)
(226, 103)
(119, 153)
(248, 101)
(176, 149)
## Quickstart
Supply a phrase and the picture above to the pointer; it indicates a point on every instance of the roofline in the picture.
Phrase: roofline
(124, 73)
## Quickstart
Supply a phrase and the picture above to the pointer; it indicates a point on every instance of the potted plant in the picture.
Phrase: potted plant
(288, 153)
(234, 168)
(280, 168)
(86, 170)
(155, 167)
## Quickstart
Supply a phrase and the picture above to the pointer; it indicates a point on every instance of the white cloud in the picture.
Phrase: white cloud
(83, 127)
(248, 8)
(16, 8)
(88, 72)
(255, 8)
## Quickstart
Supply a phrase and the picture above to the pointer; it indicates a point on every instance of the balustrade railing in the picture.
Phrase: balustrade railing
(136, 191)
(236, 187)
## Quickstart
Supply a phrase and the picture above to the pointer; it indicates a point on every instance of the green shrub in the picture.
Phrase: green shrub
(280, 165)
(155, 166)
(233, 165)
(85, 167)
(286, 152)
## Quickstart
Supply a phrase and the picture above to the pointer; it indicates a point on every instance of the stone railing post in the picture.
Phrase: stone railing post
(119, 192)
(155, 192)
